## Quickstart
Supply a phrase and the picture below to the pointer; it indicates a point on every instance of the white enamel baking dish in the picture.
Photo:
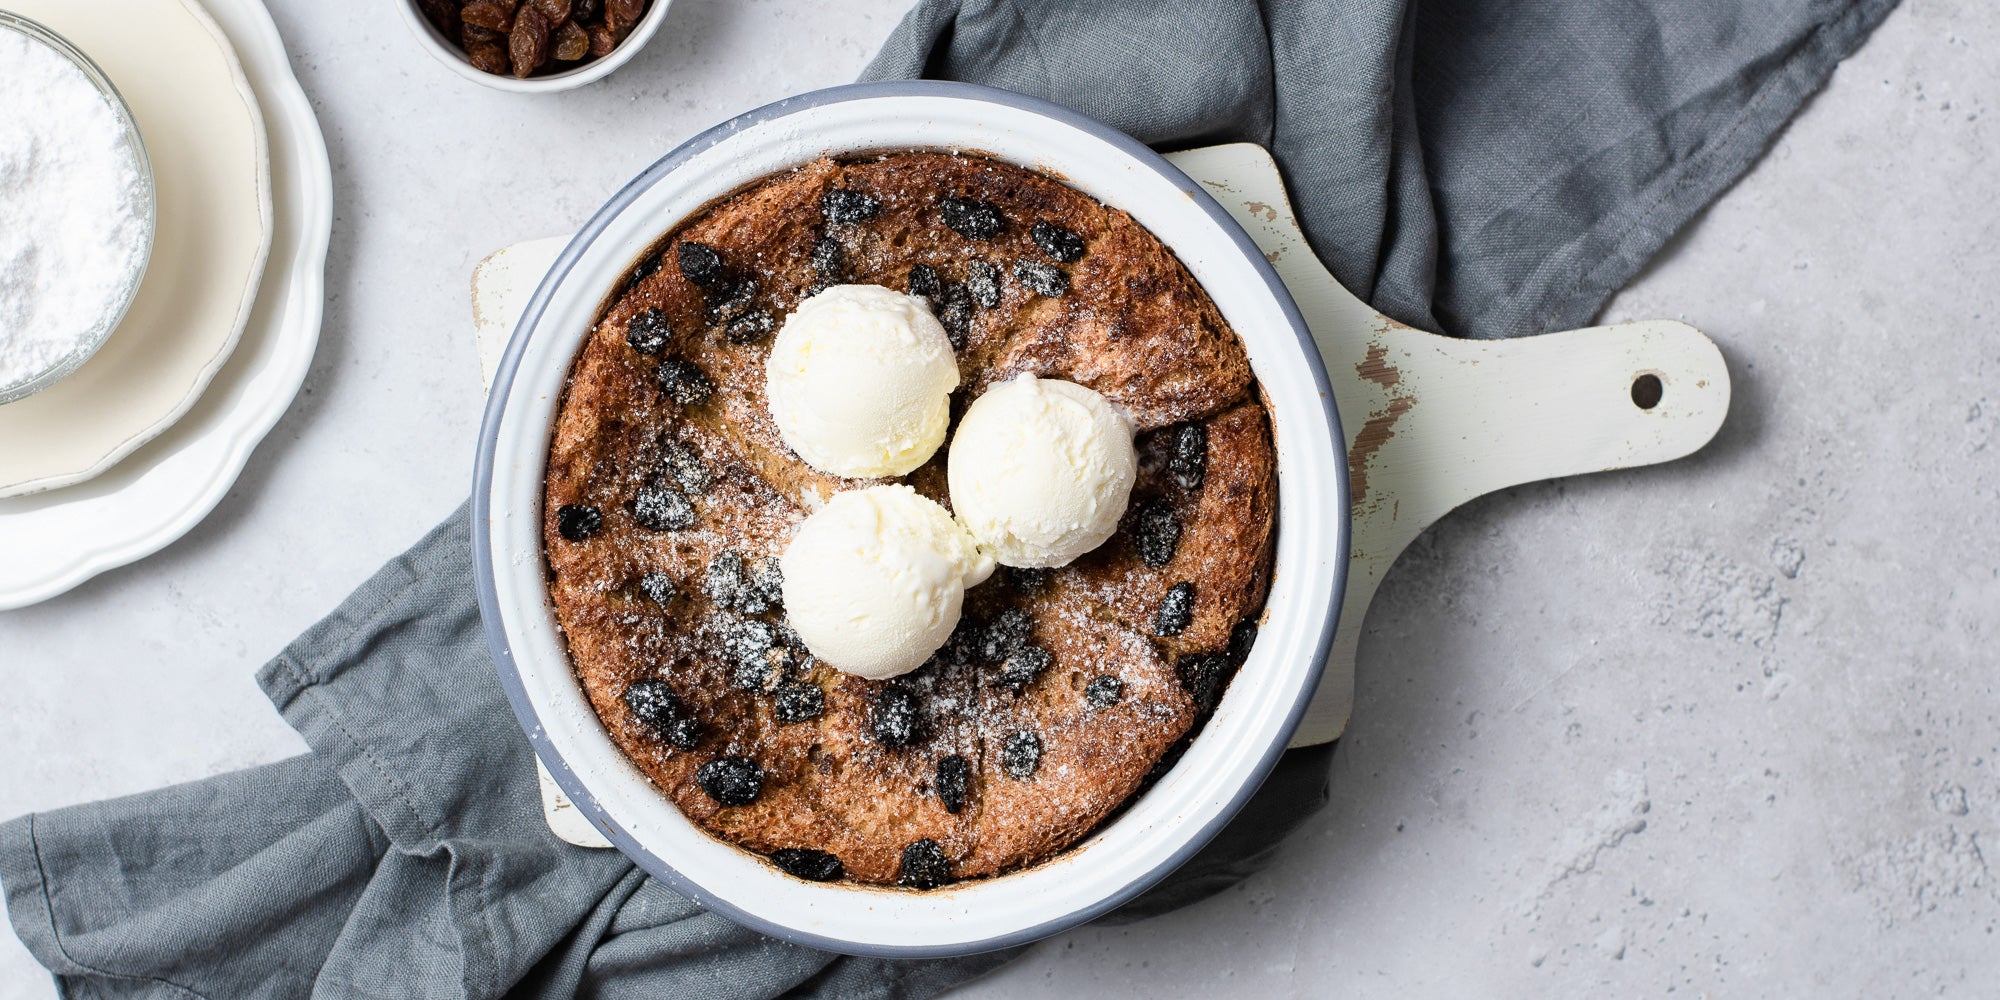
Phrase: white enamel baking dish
(1167, 824)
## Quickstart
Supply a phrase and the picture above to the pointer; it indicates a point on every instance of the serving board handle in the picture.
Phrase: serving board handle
(1431, 421)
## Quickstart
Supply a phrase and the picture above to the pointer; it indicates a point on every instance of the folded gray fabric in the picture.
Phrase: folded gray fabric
(1487, 170)
(1476, 168)
(404, 857)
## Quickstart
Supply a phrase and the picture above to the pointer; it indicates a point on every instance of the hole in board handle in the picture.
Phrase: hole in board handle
(1647, 390)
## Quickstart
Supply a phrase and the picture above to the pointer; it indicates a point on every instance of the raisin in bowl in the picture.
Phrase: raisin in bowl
(533, 46)
(782, 893)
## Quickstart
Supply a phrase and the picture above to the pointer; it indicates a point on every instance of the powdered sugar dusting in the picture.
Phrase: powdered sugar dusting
(72, 194)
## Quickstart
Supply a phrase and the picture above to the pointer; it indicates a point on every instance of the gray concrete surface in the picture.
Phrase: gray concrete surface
(1728, 727)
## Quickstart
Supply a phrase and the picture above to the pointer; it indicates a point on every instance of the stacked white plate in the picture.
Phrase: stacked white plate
(134, 448)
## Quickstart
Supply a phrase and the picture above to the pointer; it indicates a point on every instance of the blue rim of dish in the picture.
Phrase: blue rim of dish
(496, 405)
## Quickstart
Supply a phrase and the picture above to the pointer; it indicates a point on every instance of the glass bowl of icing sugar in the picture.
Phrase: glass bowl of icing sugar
(77, 197)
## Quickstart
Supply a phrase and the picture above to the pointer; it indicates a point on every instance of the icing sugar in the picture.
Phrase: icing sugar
(72, 194)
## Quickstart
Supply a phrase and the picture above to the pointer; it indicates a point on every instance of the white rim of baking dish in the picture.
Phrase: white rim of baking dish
(149, 197)
(447, 51)
(1160, 829)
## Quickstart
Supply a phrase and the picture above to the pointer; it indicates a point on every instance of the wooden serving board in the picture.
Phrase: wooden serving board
(1431, 421)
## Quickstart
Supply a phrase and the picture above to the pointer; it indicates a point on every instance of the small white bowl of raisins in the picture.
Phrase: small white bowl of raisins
(534, 46)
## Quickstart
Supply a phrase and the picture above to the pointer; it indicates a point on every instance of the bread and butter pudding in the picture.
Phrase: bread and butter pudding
(780, 620)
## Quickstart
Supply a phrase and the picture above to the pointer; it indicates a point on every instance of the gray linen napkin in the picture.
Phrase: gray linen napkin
(1484, 169)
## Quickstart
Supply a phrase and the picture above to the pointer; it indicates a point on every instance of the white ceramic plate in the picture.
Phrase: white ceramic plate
(57, 539)
(1163, 827)
(201, 125)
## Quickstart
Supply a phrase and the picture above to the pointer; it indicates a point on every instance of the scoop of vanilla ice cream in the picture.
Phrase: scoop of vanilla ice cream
(1041, 470)
(875, 580)
(860, 381)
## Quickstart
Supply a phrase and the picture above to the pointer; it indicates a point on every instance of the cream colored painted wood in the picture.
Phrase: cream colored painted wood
(501, 285)
(1431, 421)
(566, 821)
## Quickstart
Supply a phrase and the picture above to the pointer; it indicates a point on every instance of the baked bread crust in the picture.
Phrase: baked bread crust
(1132, 325)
